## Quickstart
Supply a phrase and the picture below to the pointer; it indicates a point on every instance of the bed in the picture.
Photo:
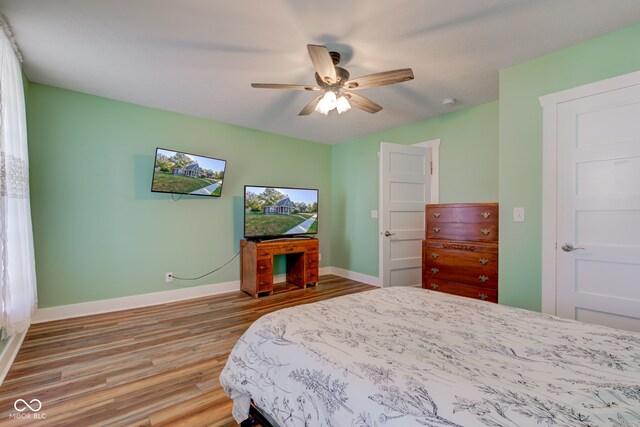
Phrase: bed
(408, 356)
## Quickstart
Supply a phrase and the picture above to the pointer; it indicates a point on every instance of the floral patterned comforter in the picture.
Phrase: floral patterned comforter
(407, 356)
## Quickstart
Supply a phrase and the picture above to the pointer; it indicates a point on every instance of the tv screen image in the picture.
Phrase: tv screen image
(183, 173)
(271, 212)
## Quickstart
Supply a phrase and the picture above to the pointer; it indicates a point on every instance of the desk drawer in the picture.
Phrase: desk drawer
(288, 248)
(312, 276)
(264, 253)
(264, 283)
(264, 266)
(312, 260)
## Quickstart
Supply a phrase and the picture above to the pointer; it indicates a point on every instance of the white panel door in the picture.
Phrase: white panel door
(405, 189)
(598, 209)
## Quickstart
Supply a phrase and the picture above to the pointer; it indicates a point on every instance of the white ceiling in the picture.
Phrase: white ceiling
(198, 57)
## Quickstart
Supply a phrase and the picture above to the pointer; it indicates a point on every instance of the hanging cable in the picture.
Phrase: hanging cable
(212, 271)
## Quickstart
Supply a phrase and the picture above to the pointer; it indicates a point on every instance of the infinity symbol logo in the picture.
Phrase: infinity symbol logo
(21, 405)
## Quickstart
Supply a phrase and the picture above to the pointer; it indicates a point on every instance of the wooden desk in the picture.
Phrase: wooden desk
(256, 263)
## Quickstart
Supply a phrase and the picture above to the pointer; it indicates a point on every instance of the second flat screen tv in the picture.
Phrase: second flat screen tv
(271, 212)
(184, 173)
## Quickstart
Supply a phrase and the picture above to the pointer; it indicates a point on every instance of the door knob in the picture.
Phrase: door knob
(387, 234)
(568, 247)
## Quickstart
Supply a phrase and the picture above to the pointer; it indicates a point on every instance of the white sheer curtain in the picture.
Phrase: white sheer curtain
(18, 295)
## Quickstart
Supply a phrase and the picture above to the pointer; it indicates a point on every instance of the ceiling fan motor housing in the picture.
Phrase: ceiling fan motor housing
(342, 76)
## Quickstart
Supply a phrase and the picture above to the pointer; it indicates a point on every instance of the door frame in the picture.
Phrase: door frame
(549, 105)
(434, 145)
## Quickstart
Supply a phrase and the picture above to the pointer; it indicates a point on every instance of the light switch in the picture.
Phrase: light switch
(518, 214)
(374, 214)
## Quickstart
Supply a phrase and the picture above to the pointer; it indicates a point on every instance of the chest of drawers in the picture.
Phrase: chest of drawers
(460, 252)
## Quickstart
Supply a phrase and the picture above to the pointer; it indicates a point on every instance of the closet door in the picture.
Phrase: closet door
(405, 180)
(598, 209)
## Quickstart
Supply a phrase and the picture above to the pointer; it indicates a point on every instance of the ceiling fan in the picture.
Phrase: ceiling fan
(337, 89)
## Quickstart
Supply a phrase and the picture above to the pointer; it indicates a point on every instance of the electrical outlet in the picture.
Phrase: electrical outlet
(168, 277)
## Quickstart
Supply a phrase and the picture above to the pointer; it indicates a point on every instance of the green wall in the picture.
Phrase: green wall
(468, 173)
(100, 233)
(520, 155)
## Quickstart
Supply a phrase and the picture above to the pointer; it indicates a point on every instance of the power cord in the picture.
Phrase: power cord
(212, 271)
(173, 197)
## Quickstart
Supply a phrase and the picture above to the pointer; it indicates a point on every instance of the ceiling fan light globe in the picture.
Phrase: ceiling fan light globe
(327, 103)
(342, 105)
(329, 100)
(322, 108)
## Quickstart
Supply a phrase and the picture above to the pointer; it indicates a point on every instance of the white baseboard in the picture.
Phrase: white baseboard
(134, 301)
(9, 353)
(360, 277)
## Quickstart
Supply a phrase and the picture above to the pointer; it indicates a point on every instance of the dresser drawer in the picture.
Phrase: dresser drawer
(475, 213)
(469, 276)
(461, 289)
(484, 260)
(462, 231)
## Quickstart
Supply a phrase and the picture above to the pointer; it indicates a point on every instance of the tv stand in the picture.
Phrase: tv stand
(256, 264)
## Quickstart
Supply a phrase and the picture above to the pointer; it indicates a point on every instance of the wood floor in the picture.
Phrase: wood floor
(143, 367)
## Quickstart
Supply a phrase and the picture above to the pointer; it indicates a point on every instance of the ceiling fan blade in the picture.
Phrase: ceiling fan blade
(283, 86)
(323, 63)
(310, 107)
(380, 79)
(364, 103)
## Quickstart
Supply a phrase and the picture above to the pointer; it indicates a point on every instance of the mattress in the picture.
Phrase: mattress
(408, 356)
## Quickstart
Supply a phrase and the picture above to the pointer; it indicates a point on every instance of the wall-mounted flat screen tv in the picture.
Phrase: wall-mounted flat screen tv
(184, 173)
(271, 212)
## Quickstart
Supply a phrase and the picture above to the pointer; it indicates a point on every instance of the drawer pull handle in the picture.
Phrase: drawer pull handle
(311, 261)
(262, 267)
(436, 229)
(485, 231)
(434, 255)
(264, 253)
(483, 278)
(483, 296)
(435, 270)
(263, 283)
(485, 215)
(436, 214)
(288, 249)
(434, 286)
(484, 261)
